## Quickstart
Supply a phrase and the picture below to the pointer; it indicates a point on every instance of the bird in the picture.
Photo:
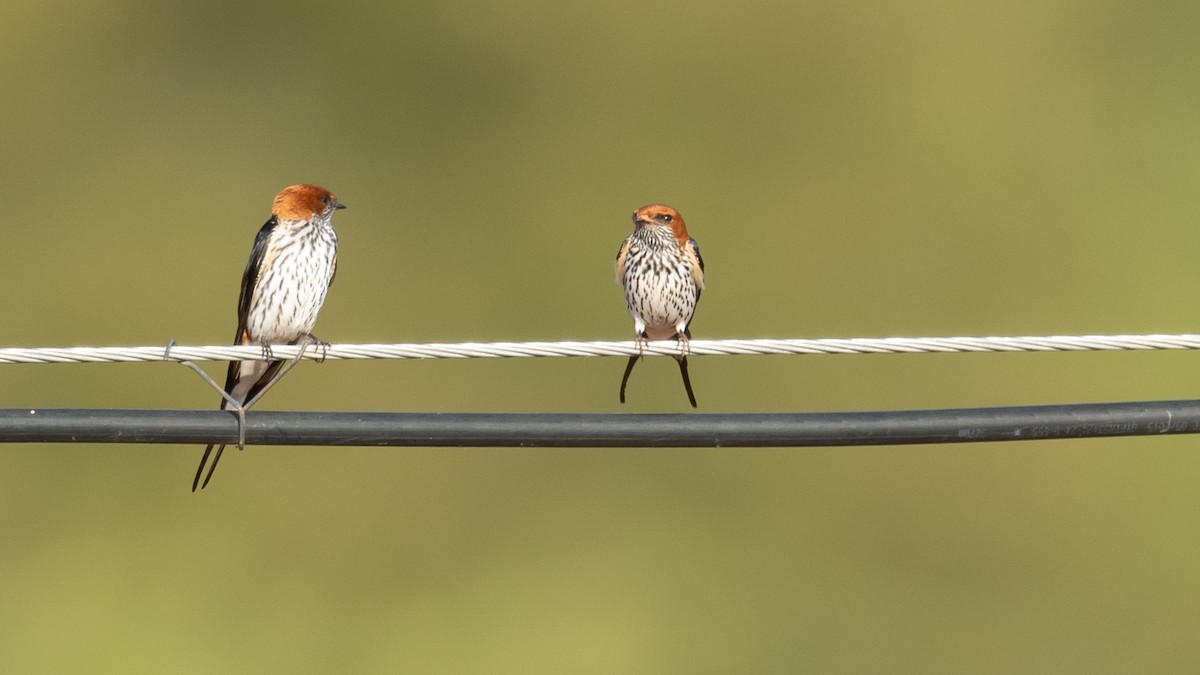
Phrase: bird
(662, 272)
(292, 264)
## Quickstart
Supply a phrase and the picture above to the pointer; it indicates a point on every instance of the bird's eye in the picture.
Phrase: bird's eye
(665, 217)
(326, 200)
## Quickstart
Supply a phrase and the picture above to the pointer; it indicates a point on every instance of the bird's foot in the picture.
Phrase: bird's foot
(309, 339)
(685, 344)
(640, 341)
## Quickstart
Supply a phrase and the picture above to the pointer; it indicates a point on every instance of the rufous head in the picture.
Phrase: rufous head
(661, 215)
(304, 201)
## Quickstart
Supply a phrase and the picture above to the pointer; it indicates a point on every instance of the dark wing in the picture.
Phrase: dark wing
(249, 280)
(621, 253)
(697, 265)
(250, 277)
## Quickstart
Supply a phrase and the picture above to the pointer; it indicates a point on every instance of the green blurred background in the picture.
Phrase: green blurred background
(849, 169)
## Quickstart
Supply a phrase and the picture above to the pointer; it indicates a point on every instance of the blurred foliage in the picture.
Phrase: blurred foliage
(891, 168)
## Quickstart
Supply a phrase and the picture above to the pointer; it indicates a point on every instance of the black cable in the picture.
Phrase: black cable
(1087, 420)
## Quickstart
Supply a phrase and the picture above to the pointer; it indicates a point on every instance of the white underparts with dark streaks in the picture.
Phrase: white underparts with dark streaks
(660, 290)
(297, 269)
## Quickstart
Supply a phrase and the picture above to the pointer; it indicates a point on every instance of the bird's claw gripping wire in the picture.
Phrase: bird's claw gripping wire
(310, 339)
(685, 344)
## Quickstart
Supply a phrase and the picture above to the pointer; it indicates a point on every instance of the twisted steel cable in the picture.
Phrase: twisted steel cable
(473, 350)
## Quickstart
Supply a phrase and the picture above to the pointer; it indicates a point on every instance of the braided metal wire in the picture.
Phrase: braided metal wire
(474, 350)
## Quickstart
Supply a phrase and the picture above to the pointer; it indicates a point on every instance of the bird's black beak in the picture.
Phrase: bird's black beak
(338, 205)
